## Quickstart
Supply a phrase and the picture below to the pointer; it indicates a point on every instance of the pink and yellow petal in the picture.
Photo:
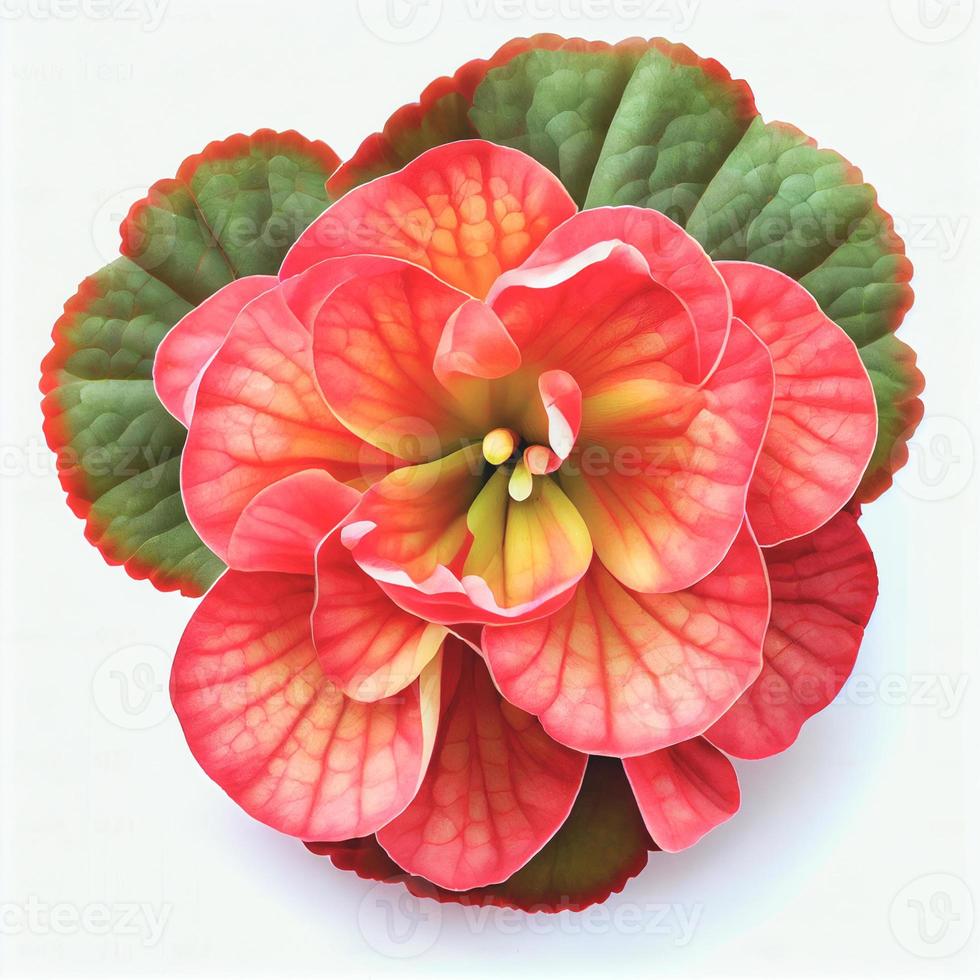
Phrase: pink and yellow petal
(467, 211)
(663, 469)
(268, 727)
(621, 673)
(375, 342)
(824, 421)
(496, 791)
(259, 418)
(684, 792)
(450, 546)
(367, 646)
(824, 588)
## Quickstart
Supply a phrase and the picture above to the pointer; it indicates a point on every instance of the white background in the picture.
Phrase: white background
(104, 811)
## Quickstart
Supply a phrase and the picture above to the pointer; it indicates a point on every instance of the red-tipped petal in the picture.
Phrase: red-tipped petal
(662, 468)
(621, 673)
(468, 211)
(367, 645)
(824, 588)
(824, 420)
(281, 740)
(675, 259)
(281, 526)
(496, 791)
(187, 349)
(684, 792)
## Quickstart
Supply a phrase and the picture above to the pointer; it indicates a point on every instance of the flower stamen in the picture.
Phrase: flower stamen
(499, 446)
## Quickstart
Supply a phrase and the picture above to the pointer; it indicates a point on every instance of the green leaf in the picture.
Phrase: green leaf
(601, 845)
(232, 210)
(677, 122)
(556, 106)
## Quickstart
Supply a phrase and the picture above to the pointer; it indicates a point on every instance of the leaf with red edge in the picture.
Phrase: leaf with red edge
(232, 210)
(600, 846)
(824, 587)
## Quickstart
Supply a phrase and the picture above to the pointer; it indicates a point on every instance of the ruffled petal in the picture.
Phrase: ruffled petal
(620, 673)
(259, 417)
(824, 420)
(468, 211)
(187, 349)
(375, 341)
(684, 792)
(281, 526)
(368, 646)
(662, 468)
(275, 734)
(674, 259)
(450, 546)
(496, 791)
(824, 588)
(600, 317)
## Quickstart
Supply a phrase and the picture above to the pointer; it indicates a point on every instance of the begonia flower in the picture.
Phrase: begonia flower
(493, 478)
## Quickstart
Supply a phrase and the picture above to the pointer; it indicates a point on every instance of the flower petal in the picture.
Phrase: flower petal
(259, 418)
(452, 548)
(467, 210)
(367, 646)
(188, 347)
(684, 792)
(629, 326)
(620, 673)
(675, 260)
(375, 340)
(496, 790)
(824, 420)
(562, 399)
(475, 344)
(824, 588)
(662, 475)
(281, 740)
(281, 526)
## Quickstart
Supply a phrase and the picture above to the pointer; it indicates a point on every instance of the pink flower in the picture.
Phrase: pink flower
(466, 420)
